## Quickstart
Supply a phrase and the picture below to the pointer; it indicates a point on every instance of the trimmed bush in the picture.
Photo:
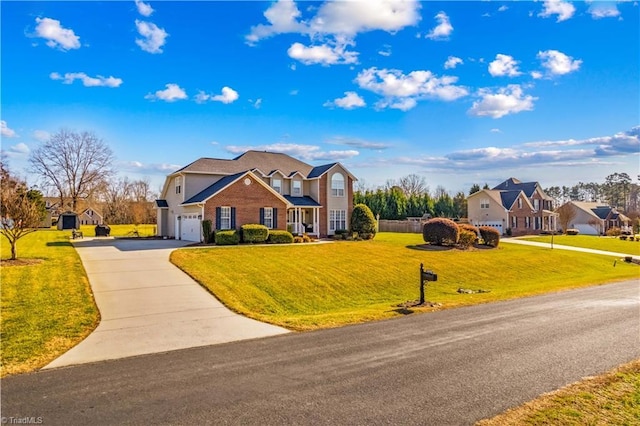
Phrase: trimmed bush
(253, 233)
(490, 236)
(623, 237)
(466, 238)
(470, 228)
(440, 231)
(340, 234)
(280, 237)
(363, 222)
(572, 232)
(207, 231)
(613, 232)
(227, 238)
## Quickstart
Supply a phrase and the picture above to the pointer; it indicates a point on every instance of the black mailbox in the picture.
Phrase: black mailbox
(425, 276)
(429, 276)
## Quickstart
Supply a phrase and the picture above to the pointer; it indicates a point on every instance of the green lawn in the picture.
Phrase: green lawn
(306, 286)
(609, 399)
(47, 306)
(613, 244)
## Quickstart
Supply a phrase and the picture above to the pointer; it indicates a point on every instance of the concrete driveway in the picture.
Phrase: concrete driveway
(148, 305)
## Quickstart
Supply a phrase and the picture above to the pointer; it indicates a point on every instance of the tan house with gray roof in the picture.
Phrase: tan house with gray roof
(272, 189)
(518, 208)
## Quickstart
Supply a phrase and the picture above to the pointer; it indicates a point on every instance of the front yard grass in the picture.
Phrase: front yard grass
(613, 244)
(609, 399)
(46, 302)
(146, 230)
(310, 286)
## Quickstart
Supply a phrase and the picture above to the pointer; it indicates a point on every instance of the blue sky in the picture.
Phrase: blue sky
(457, 92)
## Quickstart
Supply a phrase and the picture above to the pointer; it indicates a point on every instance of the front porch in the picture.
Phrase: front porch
(304, 220)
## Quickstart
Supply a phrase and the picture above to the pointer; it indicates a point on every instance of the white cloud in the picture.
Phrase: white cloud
(504, 65)
(385, 51)
(536, 75)
(350, 100)
(358, 143)
(6, 131)
(154, 37)
(507, 100)
(345, 18)
(496, 131)
(621, 143)
(452, 62)
(443, 29)
(303, 152)
(154, 168)
(173, 92)
(41, 135)
(97, 81)
(227, 96)
(557, 63)
(502, 8)
(352, 17)
(144, 9)
(57, 36)
(257, 104)
(325, 54)
(19, 150)
(563, 9)
(401, 91)
(599, 10)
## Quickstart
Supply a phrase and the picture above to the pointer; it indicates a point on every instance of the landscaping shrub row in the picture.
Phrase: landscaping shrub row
(253, 233)
(445, 232)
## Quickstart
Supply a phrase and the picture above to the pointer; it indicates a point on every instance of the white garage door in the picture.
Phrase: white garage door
(585, 229)
(190, 228)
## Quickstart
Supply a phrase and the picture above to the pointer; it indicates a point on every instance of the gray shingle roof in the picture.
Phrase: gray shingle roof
(162, 204)
(305, 201)
(320, 170)
(250, 160)
(514, 184)
(210, 190)
(508, 198)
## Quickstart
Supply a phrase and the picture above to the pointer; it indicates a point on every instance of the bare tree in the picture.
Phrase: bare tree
(75, 164)
(566, 213)
(413, 184)
(21, 209)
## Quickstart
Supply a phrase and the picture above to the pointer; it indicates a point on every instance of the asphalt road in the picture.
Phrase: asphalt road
(451, 367)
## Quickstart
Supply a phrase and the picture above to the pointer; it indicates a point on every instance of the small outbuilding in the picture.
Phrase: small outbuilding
(68, 220)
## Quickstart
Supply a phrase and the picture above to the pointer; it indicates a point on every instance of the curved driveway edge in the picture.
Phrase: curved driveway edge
(147, 305)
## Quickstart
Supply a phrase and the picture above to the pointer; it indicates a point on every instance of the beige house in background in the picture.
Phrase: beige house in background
(257, 187)
(597, 218)
(523, 208)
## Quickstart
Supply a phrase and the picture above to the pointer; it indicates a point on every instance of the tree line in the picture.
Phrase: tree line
(77, 168)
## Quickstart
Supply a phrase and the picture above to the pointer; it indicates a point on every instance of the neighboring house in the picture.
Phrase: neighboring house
(268, 188)
(597, 218)
(521, 208)
(90, 216)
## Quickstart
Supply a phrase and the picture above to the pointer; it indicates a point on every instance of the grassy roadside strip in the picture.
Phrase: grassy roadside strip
(47, 306)
(612, 244)
(612, 398)
(306, 287)
(146, 230)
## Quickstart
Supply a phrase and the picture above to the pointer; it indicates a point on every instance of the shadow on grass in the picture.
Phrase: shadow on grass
(403, 311)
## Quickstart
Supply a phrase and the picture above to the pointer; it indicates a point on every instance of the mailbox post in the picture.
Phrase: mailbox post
(425, 276)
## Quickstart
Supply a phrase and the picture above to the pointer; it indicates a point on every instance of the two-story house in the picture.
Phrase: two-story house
(520, 207)
(268, 188)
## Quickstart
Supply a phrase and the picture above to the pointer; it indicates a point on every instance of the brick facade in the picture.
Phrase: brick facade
(247, 200)
(524, 216)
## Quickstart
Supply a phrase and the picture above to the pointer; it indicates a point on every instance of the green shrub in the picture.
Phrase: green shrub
(470, 228)
(440, 231)
(490, 236)
(623, 237)
(340, 234)
(467, 238)
(280, 237)
(613, 232)
(253, 233)
(227, 238)
(363, 222)
(207, 231)
(572, 232)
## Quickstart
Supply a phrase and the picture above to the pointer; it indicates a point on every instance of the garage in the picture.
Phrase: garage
(190, 228)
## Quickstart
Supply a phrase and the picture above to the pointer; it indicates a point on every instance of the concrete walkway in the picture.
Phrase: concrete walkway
(148, 305)
(561, 247)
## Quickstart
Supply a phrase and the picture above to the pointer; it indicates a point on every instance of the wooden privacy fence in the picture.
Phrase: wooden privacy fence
(400, 226)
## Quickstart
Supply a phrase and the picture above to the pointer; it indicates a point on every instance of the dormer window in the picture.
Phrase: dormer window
(276, 184)
(178, 185)
(296, 188)
(337, 185)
